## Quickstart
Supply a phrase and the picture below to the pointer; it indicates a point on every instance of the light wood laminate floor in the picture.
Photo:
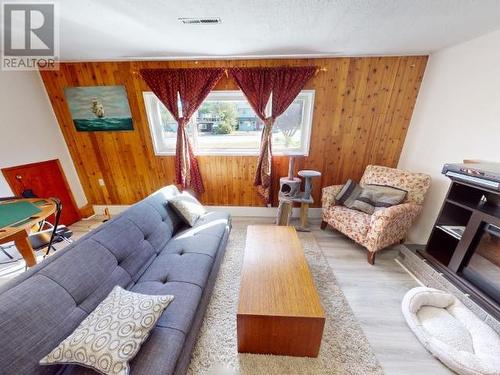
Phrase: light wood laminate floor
(373, 292)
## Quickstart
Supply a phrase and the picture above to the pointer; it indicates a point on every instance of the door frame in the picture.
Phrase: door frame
(38, 163)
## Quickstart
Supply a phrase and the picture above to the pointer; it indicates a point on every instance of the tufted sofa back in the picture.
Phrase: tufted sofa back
(416, 184)
(44, 305)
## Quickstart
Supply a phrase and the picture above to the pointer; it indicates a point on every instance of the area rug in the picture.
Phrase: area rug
(344, 349)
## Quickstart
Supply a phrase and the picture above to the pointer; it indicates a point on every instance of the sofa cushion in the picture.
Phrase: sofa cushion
(158, 355)
(87, 273)
(109, 337)
(132, 250)
(154, 228)
(82, 270)
(180, 313)
(214, 223)
(179, 267)
(199, 243)
(35, 316)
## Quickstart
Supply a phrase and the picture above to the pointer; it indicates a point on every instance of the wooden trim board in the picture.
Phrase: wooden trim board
(248, 211)
(86, 211)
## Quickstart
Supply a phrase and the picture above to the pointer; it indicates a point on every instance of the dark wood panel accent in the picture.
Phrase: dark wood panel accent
(46, 179)
(362, 110)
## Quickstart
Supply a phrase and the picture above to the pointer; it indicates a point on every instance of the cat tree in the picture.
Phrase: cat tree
(290, 193)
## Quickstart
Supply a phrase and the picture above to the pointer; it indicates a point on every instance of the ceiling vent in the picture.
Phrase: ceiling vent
(201, 21)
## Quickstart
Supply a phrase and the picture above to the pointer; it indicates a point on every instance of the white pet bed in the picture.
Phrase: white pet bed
(451, 332)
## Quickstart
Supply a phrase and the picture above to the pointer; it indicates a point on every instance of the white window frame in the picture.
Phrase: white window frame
(151, 102)
(154, 117)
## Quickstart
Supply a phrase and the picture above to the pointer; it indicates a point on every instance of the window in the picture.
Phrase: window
(225, 124)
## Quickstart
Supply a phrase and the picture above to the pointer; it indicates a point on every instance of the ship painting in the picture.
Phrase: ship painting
(99, 108)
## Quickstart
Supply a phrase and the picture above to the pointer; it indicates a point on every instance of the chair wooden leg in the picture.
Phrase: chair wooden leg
(323, 225)
(371, 257)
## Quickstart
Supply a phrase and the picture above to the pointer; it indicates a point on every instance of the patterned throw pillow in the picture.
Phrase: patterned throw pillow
(112, 334)
(187, 207)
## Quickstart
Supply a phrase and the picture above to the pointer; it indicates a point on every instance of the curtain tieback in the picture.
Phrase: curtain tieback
(269, 121)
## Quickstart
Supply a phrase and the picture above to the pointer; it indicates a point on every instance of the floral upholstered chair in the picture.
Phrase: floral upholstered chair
(386, 226)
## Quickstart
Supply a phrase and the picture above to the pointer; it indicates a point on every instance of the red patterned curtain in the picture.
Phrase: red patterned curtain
(191, 86)
(284, 83)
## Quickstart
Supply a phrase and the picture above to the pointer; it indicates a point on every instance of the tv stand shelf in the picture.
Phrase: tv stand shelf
(449, 250)
(487, 209)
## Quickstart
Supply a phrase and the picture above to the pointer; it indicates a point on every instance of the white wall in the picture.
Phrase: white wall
(28, 129)
(456, 117)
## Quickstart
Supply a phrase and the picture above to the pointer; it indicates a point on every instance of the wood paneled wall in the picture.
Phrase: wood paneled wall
(362, 110)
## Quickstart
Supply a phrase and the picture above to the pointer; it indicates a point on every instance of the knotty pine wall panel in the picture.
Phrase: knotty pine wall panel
(362, 110)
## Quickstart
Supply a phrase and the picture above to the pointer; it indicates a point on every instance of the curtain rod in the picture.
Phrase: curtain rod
(322, 69)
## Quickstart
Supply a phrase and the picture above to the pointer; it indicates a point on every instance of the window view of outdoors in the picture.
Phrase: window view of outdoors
(227, 124)
(169, 127)
(224, 124)
(287, 130)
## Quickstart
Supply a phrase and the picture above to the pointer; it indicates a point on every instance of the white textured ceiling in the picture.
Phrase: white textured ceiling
(136, 29)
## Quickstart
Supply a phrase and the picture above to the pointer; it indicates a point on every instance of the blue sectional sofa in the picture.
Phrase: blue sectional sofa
(146, 249)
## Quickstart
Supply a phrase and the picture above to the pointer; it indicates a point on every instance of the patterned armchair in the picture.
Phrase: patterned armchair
(386, 226)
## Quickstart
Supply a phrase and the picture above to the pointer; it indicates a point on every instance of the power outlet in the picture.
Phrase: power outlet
(101, 182)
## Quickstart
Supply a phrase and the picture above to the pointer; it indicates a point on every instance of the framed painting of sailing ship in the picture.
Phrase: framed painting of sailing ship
(99, 108)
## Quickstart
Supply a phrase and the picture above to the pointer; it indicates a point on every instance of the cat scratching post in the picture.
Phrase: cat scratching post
(306, 198)
(289, 188)
(290, 185)
(284, 212)
(290, 193)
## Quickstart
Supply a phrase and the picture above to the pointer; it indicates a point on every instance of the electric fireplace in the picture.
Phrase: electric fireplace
(465, 242)
(482, 268)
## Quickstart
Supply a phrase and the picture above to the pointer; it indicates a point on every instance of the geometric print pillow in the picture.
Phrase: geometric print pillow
(112, 334)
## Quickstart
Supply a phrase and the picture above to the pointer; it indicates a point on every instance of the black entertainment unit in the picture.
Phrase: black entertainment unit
(465, 242)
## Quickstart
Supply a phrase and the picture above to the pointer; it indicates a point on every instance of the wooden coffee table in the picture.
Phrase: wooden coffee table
(279, 309)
